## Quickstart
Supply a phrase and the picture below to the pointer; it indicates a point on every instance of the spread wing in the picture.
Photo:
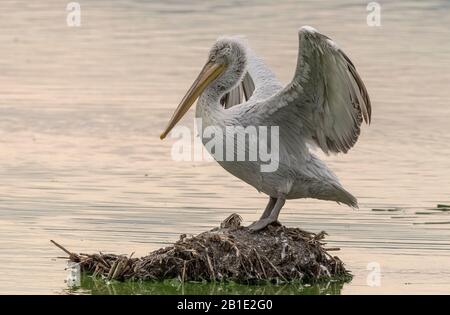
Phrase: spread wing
(326, 101)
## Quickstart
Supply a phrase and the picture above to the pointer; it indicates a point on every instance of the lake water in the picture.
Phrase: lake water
(81, 109)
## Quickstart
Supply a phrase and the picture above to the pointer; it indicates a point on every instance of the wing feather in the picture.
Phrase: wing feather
(326, 99)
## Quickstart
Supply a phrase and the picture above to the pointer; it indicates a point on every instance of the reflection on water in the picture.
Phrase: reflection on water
(81, 110)
(90, 285)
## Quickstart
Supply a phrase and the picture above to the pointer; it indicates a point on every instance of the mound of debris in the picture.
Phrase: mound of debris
(230, 252)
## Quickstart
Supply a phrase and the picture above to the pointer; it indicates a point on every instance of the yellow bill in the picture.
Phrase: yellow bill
(208, 74)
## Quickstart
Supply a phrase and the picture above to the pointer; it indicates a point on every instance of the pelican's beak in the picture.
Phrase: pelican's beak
(208, 74)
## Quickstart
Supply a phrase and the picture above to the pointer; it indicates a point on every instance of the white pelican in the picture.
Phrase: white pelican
(323, 106)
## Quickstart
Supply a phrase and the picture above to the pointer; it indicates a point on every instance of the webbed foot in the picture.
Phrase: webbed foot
(262, 223)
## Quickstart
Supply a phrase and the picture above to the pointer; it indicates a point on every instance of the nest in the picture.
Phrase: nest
(230, 252)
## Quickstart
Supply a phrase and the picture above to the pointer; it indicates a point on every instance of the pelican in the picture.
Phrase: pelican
(322, 107)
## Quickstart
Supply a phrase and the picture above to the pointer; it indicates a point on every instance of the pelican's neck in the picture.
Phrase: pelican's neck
(209, 108)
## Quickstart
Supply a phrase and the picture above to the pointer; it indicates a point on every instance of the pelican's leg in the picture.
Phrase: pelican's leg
(269, 207)
(267, 211)
(271, 218)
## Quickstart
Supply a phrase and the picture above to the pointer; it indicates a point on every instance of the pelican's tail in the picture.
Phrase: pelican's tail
(344, 196)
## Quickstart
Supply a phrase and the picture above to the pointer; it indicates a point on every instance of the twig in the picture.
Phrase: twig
(113, 268)
(62, 248)
(332, 249)
(260, 262)
(275, 268)
(116, 273)
(210, 267)
(183, 274)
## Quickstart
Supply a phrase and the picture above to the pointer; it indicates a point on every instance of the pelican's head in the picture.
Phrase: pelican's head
(225, 67)
(229, 51)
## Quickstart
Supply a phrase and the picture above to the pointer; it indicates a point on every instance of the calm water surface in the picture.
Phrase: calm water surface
(81, 110)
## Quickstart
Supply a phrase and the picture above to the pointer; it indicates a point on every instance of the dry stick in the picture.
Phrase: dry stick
(237, 250)
(168, 270)
(244, 258)
(96, 271)
(332, 248)
(62, 248)
(104, 262)
(117, 271)
(125, 269)
(320, 235)
(210, 267)
(241, 263)
(275, 268)
(183, 274)
(330, 256)
(101, 265)
(260, 263)
(251, 264)
(113, 268)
